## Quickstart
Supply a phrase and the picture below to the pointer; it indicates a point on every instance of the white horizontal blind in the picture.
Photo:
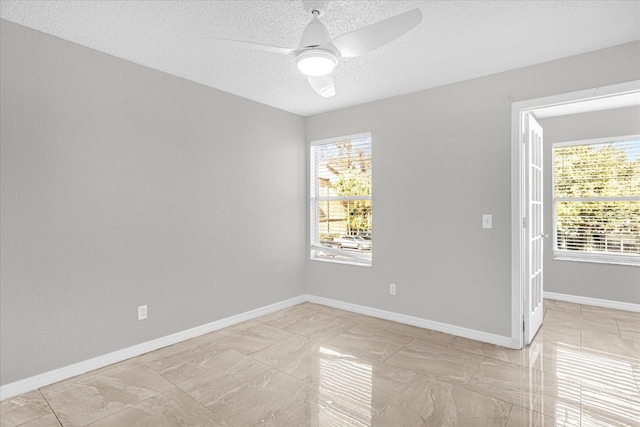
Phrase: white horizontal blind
(341, 208)
(597, 200)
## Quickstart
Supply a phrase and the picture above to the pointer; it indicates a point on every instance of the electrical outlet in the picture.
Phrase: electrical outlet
(142, 312)
(392, 288)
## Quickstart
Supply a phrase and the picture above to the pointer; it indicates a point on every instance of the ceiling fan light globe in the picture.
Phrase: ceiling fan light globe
(316, 62)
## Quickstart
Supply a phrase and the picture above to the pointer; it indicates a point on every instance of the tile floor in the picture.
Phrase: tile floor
(317, 366)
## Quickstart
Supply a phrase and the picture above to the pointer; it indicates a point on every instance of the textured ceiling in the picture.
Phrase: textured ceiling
(457, 40)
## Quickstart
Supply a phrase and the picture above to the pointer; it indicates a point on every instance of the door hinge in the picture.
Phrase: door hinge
(524, 222)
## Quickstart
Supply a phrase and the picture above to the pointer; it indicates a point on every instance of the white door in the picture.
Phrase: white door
(533, 311)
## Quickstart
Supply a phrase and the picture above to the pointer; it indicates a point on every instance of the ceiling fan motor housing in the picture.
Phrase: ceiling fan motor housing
(315, 56)
(314, 35)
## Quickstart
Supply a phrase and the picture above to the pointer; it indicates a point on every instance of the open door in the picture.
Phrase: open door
(526, 204)
(533, 310)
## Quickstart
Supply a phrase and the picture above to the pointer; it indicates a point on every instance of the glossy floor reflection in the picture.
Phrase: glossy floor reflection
(312, 365)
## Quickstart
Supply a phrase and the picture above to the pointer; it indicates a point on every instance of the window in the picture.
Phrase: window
(596, 200)
(341, 214)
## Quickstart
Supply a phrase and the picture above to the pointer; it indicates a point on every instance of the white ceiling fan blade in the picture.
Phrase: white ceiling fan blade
(253, 46)
(373, 36)
(323, 85)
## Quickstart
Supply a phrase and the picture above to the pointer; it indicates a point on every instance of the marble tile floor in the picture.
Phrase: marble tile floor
(312, 365)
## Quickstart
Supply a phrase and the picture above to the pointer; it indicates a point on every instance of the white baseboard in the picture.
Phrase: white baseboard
(22, 386)
(460, 331)
(618, 305)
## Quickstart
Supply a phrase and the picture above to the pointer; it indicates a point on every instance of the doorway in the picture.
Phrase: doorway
(527, 229)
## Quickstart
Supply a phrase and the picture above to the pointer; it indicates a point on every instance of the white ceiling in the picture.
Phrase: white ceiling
(458, 40)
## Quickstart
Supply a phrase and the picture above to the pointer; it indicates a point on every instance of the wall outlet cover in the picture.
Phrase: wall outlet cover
(142, 312)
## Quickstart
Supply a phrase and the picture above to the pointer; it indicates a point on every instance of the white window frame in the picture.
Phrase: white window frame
(346, 257)
(593, 257)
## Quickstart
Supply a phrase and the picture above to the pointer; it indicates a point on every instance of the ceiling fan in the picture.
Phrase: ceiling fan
(317, 54)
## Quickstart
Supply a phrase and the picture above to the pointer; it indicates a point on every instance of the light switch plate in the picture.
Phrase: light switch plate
(487, 221)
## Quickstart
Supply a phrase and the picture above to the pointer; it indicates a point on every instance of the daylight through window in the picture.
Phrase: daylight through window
(596, 200)
(341, 210)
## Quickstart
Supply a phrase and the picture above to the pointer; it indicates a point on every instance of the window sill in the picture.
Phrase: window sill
(340, 256)
(597, 258)
(341, 261)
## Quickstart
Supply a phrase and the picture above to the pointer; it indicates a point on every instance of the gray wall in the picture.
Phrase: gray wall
(442, 158)
(124, 186)
(604, 281)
